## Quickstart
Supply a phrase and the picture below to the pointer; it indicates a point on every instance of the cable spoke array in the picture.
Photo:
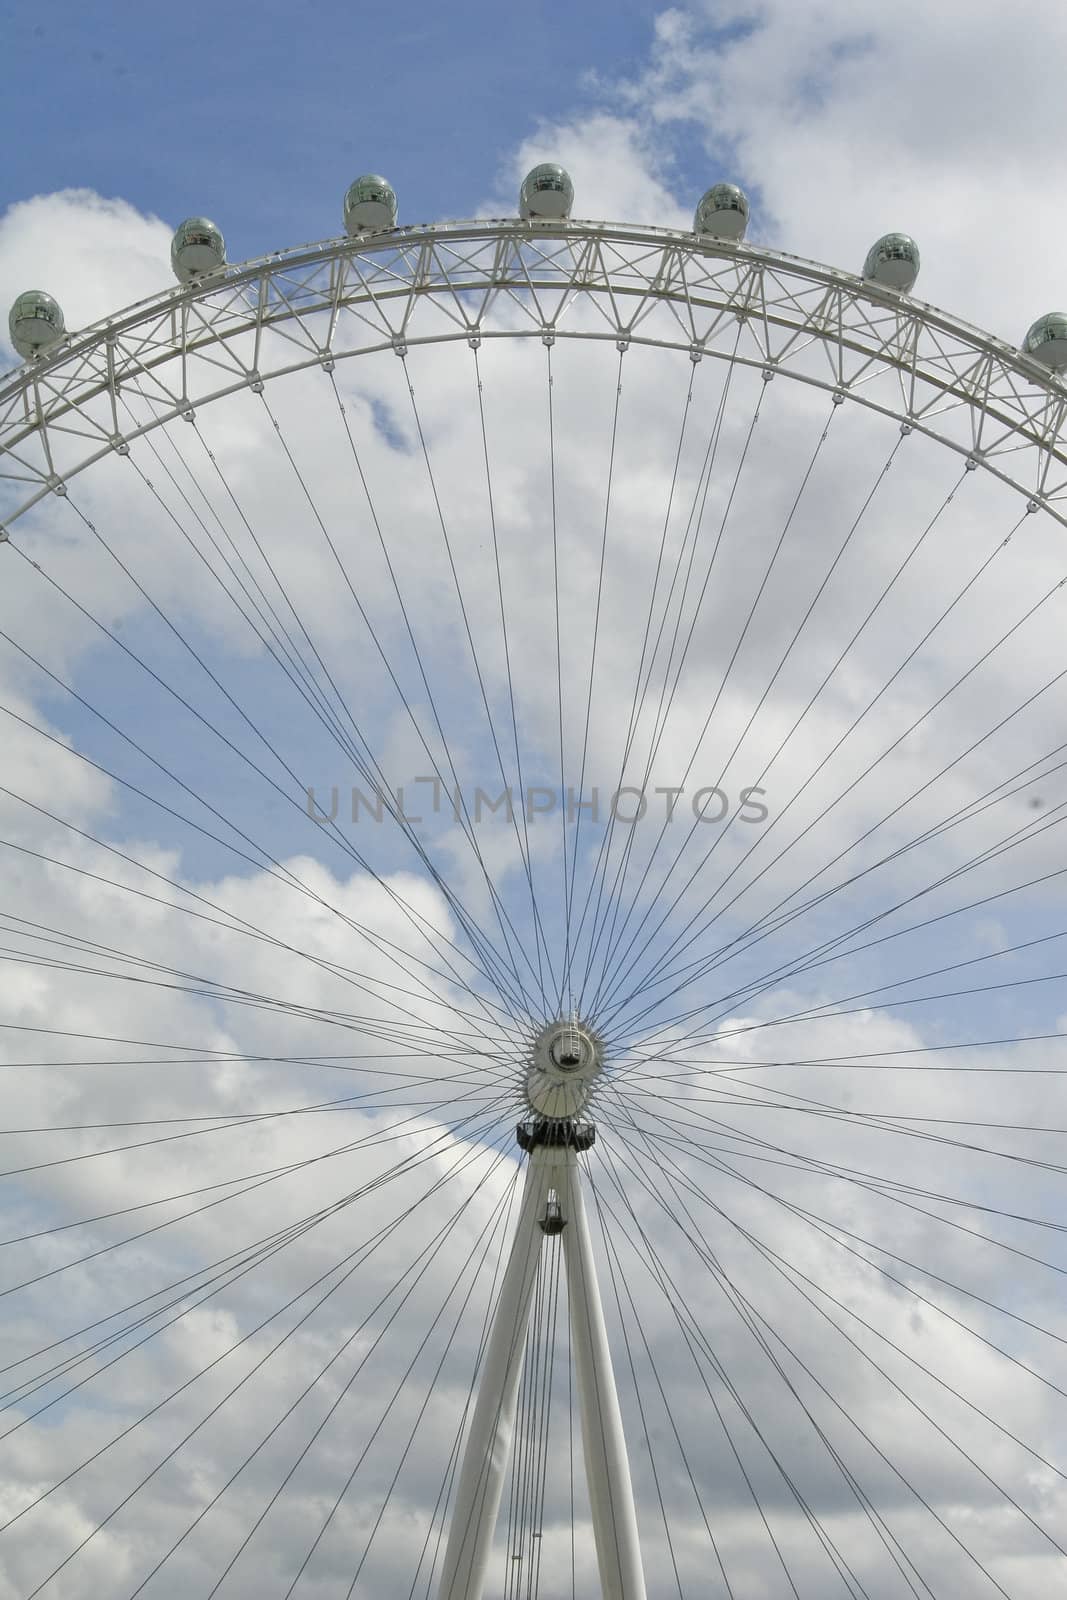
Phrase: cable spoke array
(537, 670)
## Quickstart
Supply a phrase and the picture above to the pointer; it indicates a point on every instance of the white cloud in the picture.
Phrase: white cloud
(842, 128)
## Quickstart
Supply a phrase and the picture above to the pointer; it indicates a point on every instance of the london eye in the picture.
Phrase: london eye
(537, 1000)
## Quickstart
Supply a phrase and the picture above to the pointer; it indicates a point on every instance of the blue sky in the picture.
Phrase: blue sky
(261, 115)
(843, 119)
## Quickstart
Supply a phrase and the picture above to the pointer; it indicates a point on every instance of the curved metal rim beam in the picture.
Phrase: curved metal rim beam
(311, 306)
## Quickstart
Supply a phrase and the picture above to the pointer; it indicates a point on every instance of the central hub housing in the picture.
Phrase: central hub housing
(567, 1058)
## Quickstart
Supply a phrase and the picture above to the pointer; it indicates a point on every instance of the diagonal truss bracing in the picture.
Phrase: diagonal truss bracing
(467, 281)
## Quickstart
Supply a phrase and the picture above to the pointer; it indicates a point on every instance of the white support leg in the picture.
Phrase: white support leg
(488, 1448)
(607, 1466)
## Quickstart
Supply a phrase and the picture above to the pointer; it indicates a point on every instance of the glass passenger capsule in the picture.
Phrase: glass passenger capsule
(547, 194)
(370, 206)
(196, 249)
(35, 322)
(1047, 341)
(893, 261)
(722, 213)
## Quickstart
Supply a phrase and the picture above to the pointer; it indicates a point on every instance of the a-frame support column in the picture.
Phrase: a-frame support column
(607, 1464)
(488, 1446)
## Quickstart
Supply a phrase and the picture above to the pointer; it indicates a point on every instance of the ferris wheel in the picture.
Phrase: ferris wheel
(532, 1007)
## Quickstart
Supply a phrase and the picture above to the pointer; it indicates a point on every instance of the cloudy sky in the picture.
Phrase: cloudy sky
(260, 1070)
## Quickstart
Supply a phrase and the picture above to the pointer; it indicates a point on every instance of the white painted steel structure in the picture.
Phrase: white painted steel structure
(488, 1447)
(565, 1063)
(249, 324)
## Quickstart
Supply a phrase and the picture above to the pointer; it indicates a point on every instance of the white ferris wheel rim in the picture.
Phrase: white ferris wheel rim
(977, 395)
(308, 308)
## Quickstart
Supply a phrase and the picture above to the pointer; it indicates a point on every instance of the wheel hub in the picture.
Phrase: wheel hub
(566, 1060)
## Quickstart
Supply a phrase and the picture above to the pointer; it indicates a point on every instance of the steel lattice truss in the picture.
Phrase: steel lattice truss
(481, 280)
